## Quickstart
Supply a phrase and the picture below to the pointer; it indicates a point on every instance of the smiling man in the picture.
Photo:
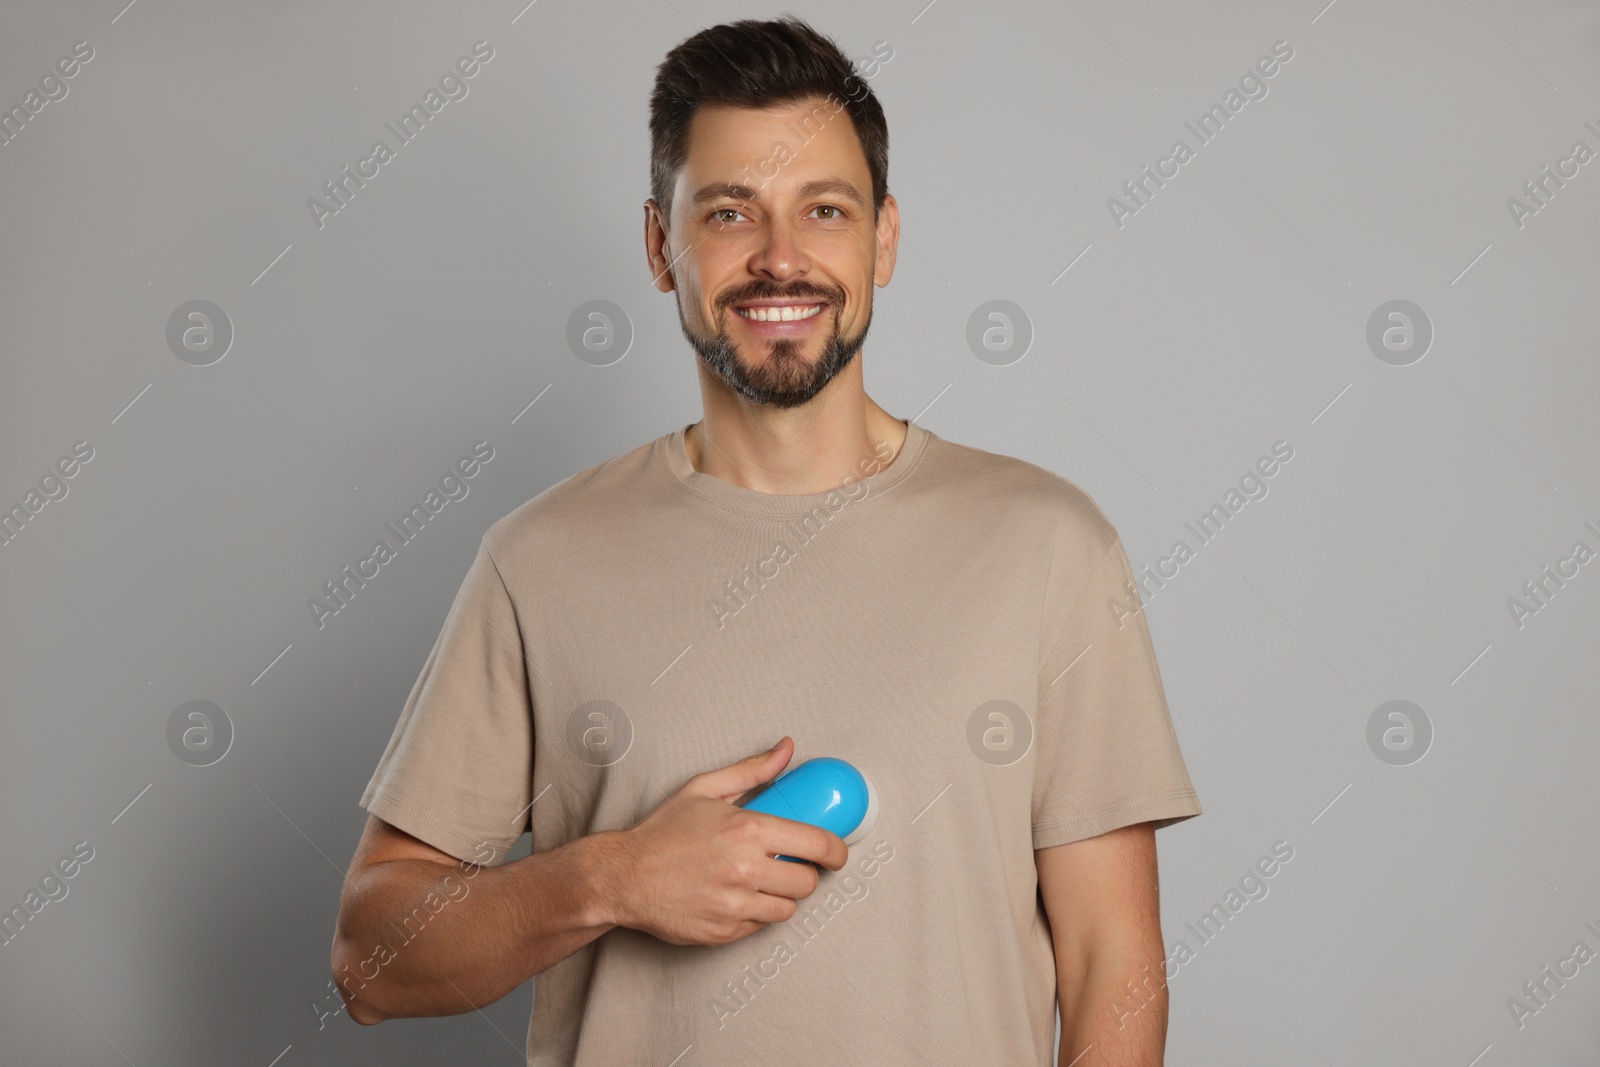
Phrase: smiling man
(960, 625)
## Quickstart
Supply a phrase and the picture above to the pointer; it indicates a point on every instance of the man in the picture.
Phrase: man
(797, 567)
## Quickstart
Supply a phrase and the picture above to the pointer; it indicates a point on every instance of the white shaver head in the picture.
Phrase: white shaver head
(870, 818)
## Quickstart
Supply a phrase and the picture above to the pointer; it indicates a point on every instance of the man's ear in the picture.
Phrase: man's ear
(888, 241)
(658, 251)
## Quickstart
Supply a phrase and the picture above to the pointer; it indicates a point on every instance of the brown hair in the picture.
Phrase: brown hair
(756, 64)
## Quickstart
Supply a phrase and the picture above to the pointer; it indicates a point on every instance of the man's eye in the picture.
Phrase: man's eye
(716, 215)
(828, 207)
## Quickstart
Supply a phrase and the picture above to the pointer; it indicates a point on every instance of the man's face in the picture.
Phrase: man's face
(773, 249)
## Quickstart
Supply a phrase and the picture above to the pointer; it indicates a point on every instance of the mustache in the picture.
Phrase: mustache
(773, 292)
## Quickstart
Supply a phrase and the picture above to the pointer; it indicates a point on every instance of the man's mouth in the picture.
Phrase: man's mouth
(778, 312)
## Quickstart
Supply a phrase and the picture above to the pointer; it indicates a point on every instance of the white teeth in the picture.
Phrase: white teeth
(791, 313)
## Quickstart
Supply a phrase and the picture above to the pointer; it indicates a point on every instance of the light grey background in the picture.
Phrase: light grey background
(1228, 314)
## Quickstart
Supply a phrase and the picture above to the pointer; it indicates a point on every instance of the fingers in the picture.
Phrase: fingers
(786, 837)
(770, 908)
(780, 878)
(714, 876)
(726, 783)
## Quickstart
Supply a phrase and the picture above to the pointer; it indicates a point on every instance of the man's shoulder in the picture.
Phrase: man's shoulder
(588, 503)
(1012, 490)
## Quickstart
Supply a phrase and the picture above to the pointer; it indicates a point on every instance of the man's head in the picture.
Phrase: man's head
(769, 198)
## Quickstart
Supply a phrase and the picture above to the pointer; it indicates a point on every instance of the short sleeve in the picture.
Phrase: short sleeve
(458, 768)
(1108, 755)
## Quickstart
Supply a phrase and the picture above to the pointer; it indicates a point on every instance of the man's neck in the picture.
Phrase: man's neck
(795, 451)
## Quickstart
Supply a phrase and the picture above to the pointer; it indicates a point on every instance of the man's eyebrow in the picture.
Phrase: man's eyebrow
(721, 190)
(836, 186)
(815, 187)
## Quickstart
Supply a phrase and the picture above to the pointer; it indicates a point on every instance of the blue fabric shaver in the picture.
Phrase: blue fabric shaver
(825, 792)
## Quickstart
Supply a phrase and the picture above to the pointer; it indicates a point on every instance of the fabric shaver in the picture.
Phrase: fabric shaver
(825, 792)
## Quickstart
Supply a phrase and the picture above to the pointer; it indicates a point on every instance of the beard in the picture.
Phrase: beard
(783, 378)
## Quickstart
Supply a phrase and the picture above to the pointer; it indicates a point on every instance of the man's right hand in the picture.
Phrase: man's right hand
(699, 871)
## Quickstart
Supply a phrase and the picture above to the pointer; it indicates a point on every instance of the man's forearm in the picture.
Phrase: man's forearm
(1115, 1007)
(421, 938)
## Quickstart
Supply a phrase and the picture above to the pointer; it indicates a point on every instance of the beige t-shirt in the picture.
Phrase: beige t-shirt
(961, 626)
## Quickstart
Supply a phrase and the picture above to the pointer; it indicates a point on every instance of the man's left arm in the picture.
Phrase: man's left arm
(1103, 903)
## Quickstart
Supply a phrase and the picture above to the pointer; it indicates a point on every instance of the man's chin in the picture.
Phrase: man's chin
(777, 372)
(783, 360)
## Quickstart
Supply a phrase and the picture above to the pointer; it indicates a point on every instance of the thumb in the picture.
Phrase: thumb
(727, 783)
